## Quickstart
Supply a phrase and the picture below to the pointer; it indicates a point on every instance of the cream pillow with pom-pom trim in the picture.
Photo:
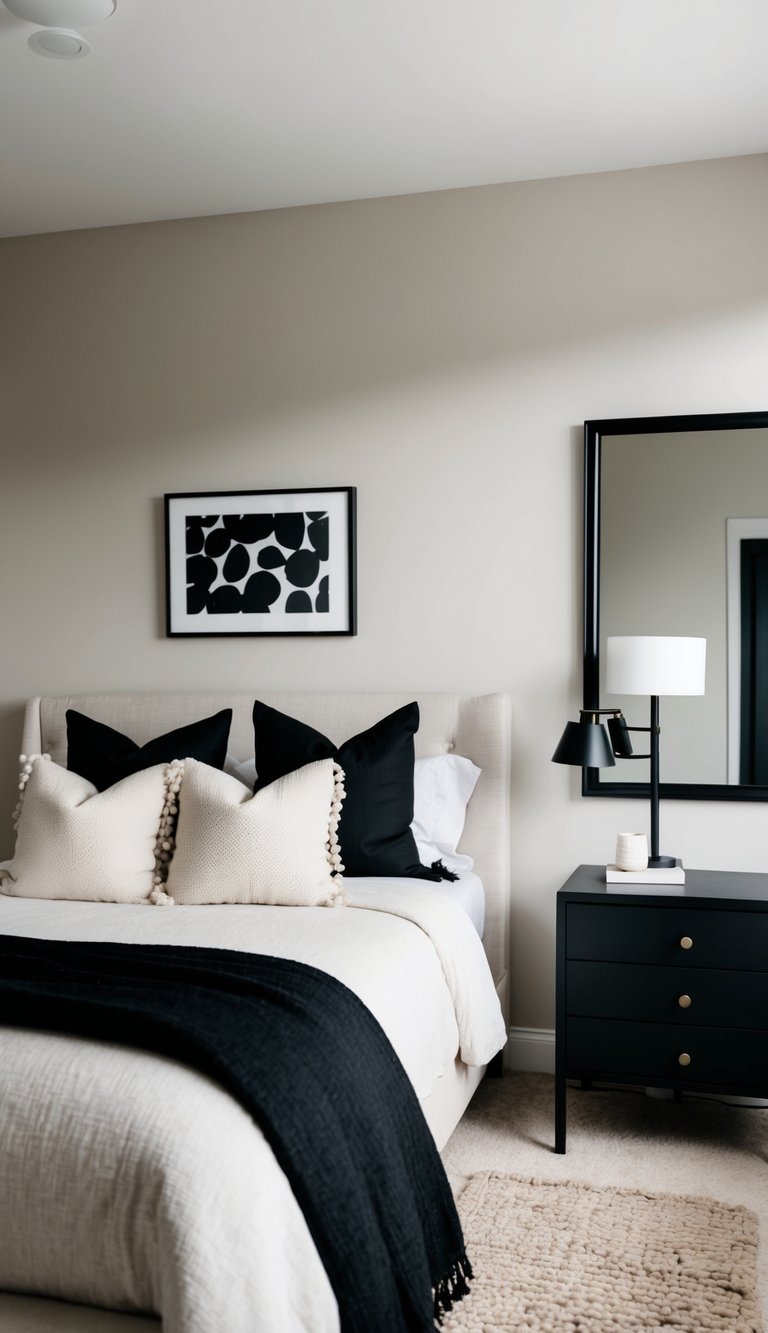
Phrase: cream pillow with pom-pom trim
(278, 847)
(75, 842)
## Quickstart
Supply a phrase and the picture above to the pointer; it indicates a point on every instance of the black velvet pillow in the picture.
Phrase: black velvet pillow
(375, 827)
(103, 756)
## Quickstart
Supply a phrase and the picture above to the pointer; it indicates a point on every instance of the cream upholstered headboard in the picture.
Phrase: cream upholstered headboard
(477, 727)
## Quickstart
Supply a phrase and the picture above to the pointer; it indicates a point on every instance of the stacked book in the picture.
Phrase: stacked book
(637, 881)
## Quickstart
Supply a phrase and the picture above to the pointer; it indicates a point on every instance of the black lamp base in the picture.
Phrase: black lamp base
(661, 862)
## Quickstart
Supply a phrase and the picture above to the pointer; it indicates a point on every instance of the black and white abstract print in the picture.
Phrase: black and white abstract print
(257, 563)
(261, 562)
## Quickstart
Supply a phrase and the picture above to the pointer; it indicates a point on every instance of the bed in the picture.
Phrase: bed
(421, 932)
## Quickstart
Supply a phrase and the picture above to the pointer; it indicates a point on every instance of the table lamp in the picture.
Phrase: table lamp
(636, 664)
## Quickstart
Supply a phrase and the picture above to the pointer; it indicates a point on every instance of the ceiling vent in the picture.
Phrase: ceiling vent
(58, 43)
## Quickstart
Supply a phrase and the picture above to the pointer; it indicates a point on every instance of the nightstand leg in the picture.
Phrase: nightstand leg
(560, 1090)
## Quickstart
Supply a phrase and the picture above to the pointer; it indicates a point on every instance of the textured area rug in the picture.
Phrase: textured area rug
(565, 1258)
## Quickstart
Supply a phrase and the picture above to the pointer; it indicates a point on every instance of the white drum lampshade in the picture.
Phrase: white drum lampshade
(655, 664)
(62, 13)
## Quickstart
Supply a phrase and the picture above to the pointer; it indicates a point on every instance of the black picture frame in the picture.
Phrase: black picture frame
(595, 431)
(283, 562)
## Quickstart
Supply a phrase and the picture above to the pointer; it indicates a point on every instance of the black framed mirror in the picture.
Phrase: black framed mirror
(676, 543)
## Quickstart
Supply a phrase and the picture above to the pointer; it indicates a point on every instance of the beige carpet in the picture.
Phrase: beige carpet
(622, 1139)
(553, 1257)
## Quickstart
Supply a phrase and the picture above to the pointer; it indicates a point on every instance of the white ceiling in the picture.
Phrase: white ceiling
(186, 108)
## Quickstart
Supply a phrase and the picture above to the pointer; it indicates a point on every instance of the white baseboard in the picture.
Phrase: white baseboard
(531, 1050)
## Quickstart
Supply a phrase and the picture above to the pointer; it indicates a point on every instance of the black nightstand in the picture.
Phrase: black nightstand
(661, 989)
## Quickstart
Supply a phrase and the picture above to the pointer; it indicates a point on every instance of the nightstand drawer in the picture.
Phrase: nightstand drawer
(619, 933)
(653, 994)
(645, 1051)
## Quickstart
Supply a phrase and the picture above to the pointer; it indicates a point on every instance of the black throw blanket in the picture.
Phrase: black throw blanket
(312, 1066)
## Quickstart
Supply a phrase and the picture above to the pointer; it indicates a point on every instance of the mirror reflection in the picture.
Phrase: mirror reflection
(683, 550)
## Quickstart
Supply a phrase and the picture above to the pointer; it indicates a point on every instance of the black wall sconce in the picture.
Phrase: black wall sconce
(636, 664)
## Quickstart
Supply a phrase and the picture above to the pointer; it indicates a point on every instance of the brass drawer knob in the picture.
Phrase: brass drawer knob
(686, 942)
(684, 1001)
(684, 1059)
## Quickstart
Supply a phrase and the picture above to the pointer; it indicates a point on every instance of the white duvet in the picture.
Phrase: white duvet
(133, 1183)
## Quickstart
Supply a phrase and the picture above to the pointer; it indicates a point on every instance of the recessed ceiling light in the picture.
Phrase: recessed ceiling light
(58, 13)
(59, 44)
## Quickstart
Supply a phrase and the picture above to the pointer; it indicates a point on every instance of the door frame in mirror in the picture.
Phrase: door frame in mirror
(594, 433)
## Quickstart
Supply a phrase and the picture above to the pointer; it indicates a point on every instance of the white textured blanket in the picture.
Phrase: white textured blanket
(130, 1182)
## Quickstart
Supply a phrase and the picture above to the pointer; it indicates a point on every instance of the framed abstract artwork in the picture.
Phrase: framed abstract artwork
(261, 562)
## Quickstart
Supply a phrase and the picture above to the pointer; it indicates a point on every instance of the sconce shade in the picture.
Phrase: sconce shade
(621, 741)
(655, 664)
(586, 744)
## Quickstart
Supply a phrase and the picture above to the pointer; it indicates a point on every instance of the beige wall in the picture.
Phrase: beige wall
(440, 352)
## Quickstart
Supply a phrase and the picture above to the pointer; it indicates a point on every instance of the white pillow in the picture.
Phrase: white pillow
(279, 846)
(76, 842)
(442, 787)
(244, 770)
